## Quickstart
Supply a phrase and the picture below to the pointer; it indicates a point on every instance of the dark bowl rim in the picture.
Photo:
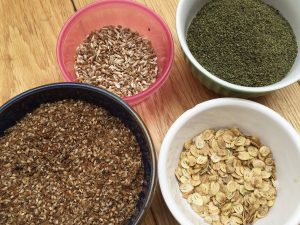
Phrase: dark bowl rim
(127, 107)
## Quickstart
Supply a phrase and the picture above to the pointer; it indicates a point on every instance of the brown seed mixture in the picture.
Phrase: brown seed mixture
(117, 59)
(227, 177)
(69, 162)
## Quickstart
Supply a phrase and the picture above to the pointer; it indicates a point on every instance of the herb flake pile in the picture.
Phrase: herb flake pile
(244, 42)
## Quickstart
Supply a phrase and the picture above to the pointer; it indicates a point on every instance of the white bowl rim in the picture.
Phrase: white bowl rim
(181, 120)
(181, 36)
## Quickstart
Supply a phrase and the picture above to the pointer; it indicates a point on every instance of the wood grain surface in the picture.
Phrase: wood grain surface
(29, 30)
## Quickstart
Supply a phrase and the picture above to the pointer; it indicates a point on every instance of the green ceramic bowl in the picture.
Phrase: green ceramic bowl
(186, 10)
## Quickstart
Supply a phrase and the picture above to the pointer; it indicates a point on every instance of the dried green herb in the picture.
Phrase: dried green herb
(245, 42)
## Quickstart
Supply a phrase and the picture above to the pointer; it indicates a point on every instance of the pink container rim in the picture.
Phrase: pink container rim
(163, 76)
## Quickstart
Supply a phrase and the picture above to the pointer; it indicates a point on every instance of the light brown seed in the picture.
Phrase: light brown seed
(234, 177)
(117, 59)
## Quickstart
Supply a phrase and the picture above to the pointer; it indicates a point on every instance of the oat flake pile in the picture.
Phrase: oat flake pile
(117, 59)
(69, 162)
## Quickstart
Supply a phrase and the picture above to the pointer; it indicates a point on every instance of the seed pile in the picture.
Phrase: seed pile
(227, 177)
(116, 59)
(244, 42)
(69, 162)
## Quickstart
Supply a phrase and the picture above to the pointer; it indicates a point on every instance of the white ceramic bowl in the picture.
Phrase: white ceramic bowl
(251, 118)
(186, 11)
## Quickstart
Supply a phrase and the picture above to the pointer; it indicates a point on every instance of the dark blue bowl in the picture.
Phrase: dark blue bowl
(16, 108)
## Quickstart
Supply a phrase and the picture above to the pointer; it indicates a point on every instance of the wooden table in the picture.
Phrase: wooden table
(29, 29)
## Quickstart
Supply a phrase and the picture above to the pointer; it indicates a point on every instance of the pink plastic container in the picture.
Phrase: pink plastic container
(126, 13)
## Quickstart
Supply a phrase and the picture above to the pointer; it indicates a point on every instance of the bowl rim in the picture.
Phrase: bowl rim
(181, 120)
(123, 104)
(264, 89)
(163, 76)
